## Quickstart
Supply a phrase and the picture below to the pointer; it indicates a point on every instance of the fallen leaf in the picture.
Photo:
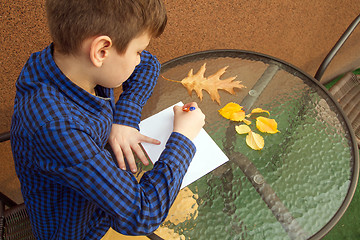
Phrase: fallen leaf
(242, 129)
(237, 116)
(247, 122)
(212, 84)
(232, 111)
(259, 112)
(235, 112)
(266, 125)
(255, 141)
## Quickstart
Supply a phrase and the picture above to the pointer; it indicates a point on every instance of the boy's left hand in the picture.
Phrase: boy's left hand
(124, 140)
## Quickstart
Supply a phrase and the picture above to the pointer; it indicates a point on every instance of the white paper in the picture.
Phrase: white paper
(208, 155)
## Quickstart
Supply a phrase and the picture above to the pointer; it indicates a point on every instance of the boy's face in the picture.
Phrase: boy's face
(118, 67)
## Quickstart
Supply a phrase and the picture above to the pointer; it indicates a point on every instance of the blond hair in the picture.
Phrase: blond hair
(72, 21)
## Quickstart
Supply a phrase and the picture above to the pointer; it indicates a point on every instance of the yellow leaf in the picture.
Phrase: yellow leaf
(247, 122)
(255, 141)
(266, 125)
(242, 129)
(211, 84)
(259, 110)
(237, 116)
(232, 111)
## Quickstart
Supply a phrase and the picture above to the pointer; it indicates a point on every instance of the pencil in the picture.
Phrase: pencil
(187, 109)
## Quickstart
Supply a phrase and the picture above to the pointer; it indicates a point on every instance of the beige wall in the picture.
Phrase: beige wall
(300, 32)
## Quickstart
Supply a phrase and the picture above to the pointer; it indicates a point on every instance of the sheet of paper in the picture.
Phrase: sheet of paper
(208, 155)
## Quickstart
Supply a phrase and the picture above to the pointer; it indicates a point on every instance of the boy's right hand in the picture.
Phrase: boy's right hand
(188, 123)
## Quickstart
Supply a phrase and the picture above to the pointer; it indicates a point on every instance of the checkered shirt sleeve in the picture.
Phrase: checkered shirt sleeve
(72, 158)
(136, 91)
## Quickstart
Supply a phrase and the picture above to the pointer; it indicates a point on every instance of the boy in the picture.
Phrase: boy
(65, 113)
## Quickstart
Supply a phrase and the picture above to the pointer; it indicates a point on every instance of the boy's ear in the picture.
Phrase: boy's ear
(99, 50)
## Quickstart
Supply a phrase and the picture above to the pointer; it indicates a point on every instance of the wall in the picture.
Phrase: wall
(300, 32)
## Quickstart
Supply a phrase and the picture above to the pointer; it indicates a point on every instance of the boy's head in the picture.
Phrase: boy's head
(73, 21)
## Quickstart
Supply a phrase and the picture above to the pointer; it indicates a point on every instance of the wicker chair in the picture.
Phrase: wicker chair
(14, 220)
(346, 90)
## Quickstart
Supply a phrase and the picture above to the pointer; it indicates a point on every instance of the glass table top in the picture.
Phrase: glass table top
(296, 187)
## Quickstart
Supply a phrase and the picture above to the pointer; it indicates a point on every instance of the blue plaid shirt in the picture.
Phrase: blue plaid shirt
(72, 187)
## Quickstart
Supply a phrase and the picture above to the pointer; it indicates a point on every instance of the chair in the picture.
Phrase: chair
(347, 92)
(347, 89)
(14, 220)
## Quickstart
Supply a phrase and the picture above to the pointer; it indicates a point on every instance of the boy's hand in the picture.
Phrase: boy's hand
(188, 123)
(124, 140)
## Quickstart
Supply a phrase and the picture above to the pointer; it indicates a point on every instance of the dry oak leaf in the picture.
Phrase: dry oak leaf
(212, 84)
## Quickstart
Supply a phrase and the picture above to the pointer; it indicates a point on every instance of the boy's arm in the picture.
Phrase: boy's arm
(125, 136)
(136, 91)
(69, 156)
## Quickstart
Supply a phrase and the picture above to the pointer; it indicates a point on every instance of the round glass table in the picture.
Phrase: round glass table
(297, 187)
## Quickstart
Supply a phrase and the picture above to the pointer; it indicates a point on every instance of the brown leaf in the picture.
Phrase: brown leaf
(212, 84)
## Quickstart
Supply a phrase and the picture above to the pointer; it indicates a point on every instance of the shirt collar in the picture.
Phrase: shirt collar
(84, 99)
